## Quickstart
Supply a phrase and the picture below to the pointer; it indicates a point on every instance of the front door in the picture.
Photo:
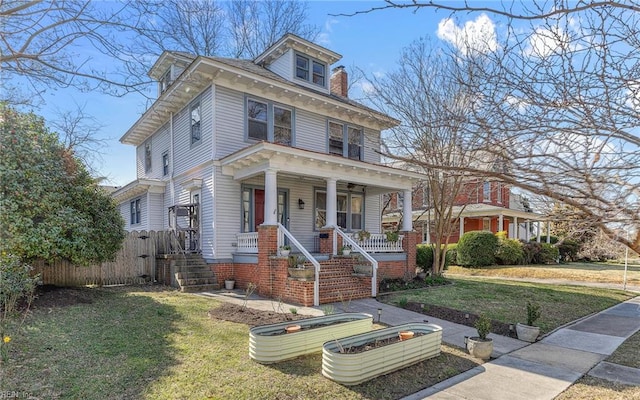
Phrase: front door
(253, 208)
(258, 206)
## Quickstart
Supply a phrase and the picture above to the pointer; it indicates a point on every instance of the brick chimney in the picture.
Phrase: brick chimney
(339, 82)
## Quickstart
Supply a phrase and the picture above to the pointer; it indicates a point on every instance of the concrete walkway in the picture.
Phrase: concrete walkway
(519, 370)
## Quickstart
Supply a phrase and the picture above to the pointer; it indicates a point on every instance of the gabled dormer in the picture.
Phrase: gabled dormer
(169, 66)
(300, 61)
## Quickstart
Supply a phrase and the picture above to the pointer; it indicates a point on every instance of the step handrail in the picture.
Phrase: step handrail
(310, 258)
(356, 247)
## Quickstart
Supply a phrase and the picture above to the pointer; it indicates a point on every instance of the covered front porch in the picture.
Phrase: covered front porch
(318, 205)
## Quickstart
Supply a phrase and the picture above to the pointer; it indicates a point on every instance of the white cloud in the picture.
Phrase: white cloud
(474, 37)
(545, 42)
(323, 38)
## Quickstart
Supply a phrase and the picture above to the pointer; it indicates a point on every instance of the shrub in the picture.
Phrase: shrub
(548, 253)
(568, 250)
(452, 253)
(531, 252)
(476, 249)
(424, 257)
(509, 252)
(533, 313)
(16, 282)
(483, 326)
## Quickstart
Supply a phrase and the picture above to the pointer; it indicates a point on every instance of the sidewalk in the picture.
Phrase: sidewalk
(519, 370)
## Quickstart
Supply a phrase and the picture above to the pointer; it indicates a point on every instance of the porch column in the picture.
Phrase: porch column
(270, 197)
(332, 207)
(527, 226)
(500, 223)
(538, 231)
(548, 231)
(461, 227)
(407, 212)
(516, 229)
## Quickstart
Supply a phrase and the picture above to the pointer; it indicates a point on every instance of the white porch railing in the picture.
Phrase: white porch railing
(294, 243)
(378, 243)
(346, 239)
(247, 242)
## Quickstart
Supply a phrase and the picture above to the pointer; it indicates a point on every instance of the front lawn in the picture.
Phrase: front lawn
(506, 301)
(141, 342)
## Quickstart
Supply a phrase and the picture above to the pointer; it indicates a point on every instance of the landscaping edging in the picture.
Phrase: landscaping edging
(268, 344)
(354, 368)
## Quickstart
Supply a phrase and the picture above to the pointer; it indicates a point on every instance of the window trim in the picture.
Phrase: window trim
(148, 156)
(135, 210)
(165, 165)
(165, 80)
(486, 191)
(349, 214)
(499, 192)
(271, 105)
(196, 105)
(310, 73)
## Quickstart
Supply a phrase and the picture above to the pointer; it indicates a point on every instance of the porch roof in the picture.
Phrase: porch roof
(472, 211)
(137, 188)
(256, 159)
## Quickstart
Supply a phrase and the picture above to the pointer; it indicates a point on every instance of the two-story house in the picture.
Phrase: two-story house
(246, 156)
(481, 205)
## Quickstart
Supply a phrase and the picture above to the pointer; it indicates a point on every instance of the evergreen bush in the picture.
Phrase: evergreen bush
(476, 249)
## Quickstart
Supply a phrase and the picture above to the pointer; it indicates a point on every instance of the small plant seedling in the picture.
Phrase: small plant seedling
(293, 310)
(533, 312)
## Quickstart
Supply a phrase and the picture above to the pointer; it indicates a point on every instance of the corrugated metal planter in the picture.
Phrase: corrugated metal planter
(269, 344)
(354, 368)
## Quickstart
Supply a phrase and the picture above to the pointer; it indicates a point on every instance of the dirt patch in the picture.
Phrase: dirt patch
(252, 317)
(459, 317)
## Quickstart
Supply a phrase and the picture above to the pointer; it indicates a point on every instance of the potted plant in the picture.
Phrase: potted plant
(528, 332)
(480, 346)
(285, 250)
(346, 250)
(298, 270)
(392, 236)
(363, 235)
(229, 283)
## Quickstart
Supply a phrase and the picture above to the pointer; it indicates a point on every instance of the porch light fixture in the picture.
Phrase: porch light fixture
(300, 204)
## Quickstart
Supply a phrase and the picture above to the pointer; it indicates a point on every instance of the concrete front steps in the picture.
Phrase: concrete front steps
(339, 284)
(194, 275)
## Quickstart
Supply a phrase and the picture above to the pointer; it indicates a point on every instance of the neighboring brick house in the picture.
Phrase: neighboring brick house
(482, 205)
(244, 156)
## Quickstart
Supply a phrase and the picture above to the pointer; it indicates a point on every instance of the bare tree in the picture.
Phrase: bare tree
(425, 94)
(558, 97)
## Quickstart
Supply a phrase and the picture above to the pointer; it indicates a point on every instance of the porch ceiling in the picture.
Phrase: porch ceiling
(256, 159)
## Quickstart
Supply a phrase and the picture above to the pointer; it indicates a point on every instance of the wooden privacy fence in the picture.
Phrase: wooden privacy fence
(135, 263)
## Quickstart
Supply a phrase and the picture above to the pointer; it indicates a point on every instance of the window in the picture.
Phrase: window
(165, 81)
(499, 190)
(426, 194)
(486, 191)
(400, 202)
(310, 70)
(147, 157)
(257, 117)
(282, 126)
(486, 224)
(339, 134)
(355, 143)
(349, 210)
(269, 122)
(135, 212)
(195, 124)
(165, 164)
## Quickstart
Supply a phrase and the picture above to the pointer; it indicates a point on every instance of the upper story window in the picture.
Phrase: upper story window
(165, 81)
(345, 140)
(269, 122)
(135, 212)
(195, 124)
(165, 163)
(310, 70)
(147, 157)
(486, 191)
(499, 189)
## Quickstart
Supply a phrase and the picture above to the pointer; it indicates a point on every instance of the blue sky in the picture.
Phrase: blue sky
(370, 41)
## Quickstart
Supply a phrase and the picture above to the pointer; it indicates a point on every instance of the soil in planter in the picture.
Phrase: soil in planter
(244, 315)
(460, 317)
(374, 344)
(309, 327)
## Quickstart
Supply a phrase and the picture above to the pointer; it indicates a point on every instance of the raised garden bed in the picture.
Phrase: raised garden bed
(359, 358)
(270, 343)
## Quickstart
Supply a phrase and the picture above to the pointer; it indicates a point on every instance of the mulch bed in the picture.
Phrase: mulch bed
(459, 317)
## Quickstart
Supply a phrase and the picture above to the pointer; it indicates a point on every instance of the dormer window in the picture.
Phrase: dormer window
(165, 81)
(310, 70)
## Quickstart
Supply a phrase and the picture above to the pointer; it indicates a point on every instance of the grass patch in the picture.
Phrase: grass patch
(628, 353)
(582, 272)
(506, 301)
(124, 343)
(590, 388)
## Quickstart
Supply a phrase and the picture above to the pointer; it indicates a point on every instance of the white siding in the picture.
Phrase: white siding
(226, 207)
(311, 131)
(187, 156)
(372, 217)
(229, 121)
(283, 66)
(155, 211)
(371, 145)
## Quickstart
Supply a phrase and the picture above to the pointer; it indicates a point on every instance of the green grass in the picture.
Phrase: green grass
(506, 300)
(131, 343)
